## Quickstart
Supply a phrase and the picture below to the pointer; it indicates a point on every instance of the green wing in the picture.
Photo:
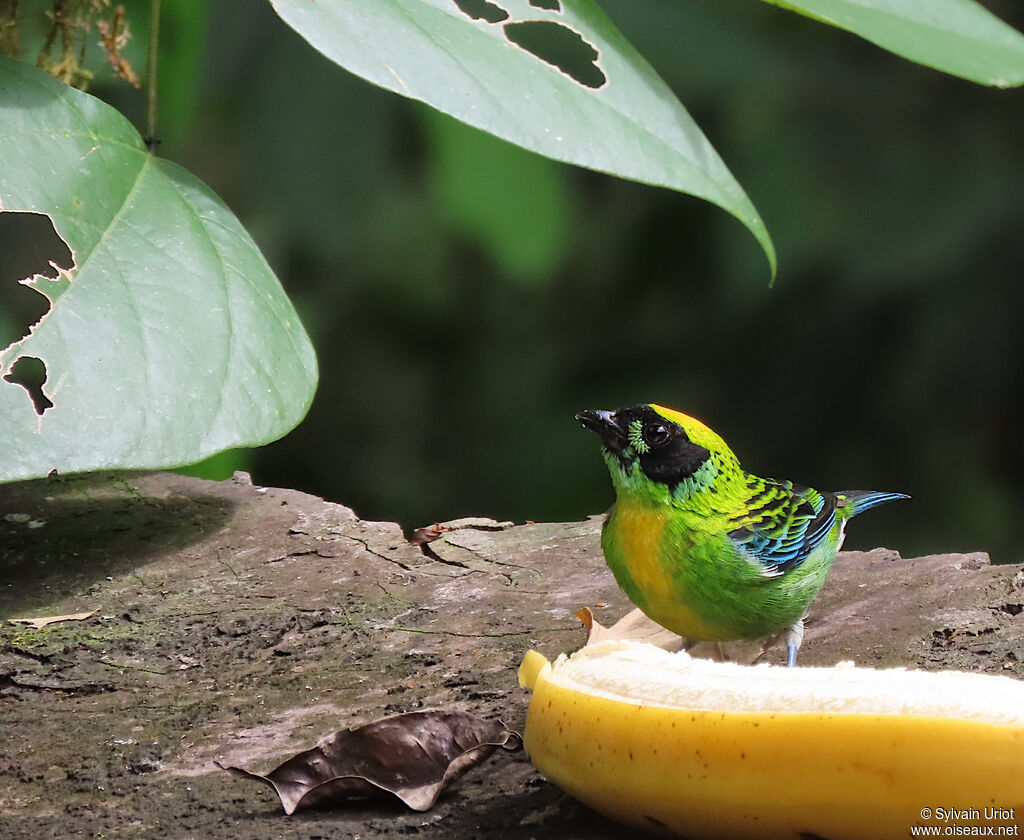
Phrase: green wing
(781, 523)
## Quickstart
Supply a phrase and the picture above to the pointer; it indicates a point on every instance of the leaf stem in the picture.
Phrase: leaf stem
(152, 142)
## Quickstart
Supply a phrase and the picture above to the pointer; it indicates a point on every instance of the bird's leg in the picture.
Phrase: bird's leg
(687, 644)
(767, 646)
(794, 636)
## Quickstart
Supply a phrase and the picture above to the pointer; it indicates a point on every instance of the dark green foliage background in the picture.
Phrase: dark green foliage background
(467, 298)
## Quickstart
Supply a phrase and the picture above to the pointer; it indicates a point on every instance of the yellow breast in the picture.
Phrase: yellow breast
(654, 575)
(638, 531)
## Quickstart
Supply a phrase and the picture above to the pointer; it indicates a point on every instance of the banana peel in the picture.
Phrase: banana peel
(703, 749)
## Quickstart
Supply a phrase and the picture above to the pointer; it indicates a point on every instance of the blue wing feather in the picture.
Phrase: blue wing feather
(782, 523)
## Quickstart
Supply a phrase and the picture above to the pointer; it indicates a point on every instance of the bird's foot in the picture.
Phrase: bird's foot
(767, 646)
(720, 655)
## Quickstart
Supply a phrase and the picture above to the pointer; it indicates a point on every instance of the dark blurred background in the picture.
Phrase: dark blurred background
(467, 298)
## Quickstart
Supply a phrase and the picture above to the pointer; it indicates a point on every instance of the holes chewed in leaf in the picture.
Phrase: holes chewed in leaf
(551, 42)
(30, 373)
(28, 246)
(558, 45)
(482, 10)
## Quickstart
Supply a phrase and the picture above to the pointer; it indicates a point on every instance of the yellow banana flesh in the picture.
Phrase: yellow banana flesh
(718, 750)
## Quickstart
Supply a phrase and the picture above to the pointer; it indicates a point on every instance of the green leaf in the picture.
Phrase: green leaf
(170, 339)
(562, 83)
(956, 36)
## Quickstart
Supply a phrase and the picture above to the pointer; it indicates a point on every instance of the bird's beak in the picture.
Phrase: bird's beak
(606, 424)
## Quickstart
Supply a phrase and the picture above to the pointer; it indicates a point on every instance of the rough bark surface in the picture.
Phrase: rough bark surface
(241, 624)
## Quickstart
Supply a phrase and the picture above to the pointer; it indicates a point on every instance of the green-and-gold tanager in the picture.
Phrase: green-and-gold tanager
(703, 547)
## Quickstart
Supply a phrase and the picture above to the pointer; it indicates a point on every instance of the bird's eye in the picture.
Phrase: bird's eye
(656, 434)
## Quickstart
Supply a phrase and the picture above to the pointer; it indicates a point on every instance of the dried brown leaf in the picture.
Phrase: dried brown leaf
(114, 37)
(422, 536)
(40, 623)
(412, 756)
(477, 523)
(429, 533)
(633, 626)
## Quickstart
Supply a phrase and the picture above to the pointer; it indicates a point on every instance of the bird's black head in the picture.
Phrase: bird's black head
(656, 438)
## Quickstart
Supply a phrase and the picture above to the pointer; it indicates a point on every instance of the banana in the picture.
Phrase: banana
(706, 749)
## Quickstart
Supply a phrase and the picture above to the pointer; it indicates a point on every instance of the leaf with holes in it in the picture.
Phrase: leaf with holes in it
(553, 76)
(959, 37)
(170, 339)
